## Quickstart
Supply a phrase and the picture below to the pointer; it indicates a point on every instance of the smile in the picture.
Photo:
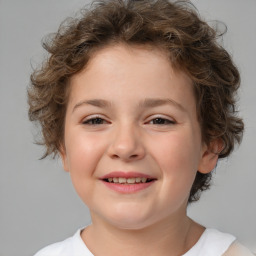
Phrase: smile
(127, 182)
(122, 180)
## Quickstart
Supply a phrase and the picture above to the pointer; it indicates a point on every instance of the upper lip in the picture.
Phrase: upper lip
(120, 174)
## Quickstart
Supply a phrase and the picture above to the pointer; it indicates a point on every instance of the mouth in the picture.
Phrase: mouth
(127, 182)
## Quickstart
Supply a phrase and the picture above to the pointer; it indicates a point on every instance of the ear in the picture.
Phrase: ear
(64, 158)
(210, 155)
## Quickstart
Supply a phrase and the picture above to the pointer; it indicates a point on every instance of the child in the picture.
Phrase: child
(138, 99)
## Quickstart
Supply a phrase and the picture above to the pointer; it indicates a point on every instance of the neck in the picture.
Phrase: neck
(168, 237)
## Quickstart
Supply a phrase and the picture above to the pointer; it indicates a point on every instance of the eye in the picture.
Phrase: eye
(161, 121)
(94, 121)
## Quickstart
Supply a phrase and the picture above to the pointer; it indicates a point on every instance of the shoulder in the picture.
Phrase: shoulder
(214, 242)
(56, 249)
(225, 244)
(237, 249)
(71, 246)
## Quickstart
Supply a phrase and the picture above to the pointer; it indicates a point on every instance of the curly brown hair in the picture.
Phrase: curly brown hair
(175, 27)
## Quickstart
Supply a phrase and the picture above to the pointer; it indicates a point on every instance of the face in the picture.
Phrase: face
(132, 138)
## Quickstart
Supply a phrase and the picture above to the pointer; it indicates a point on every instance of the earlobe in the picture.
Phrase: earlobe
(210, 155)
(63, 156)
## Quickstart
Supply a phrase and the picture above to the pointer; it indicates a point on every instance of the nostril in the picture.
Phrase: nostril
(115, 156)
(130, 157)
(126, 151)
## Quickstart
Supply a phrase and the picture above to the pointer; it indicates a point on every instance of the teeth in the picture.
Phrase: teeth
(121, 180)
(116, 180)
(138, 180)
(144, 180)
(131, 180)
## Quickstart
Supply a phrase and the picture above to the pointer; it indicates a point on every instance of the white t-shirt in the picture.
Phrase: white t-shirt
(211, 243)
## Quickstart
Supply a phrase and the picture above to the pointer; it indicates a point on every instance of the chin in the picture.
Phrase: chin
(131, 220)
(132, 225)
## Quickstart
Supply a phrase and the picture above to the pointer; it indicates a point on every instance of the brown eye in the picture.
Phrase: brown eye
(94, 121)
(161, 121)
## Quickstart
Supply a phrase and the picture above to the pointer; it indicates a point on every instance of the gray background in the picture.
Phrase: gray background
(38, 204)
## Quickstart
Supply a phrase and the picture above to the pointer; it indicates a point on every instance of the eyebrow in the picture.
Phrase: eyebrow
(93, 102)
(155, 102)
(147, 103)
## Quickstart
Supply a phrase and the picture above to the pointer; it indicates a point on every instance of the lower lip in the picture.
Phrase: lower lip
(127, 188)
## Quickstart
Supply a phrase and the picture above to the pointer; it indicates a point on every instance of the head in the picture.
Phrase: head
(173, 28)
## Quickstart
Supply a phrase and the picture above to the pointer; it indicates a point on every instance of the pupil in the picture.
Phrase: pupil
(159, 121)
(97, 121)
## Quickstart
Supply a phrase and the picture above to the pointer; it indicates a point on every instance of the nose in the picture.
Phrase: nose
(126, 144)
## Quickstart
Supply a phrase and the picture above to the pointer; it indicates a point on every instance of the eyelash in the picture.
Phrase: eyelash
(161, 120)
(97, 120)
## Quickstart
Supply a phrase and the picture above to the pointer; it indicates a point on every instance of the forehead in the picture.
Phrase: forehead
(133, 54)
(144, 57)
(135, 71)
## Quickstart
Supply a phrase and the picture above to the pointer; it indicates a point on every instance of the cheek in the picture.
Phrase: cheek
(177, 162)
(83, 153)
(180, 150)
(178, 158)
(83, 156)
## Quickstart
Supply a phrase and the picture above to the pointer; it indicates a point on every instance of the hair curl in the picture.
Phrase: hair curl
(175, 27)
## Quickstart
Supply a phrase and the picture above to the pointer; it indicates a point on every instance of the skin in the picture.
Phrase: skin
(160, 140)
